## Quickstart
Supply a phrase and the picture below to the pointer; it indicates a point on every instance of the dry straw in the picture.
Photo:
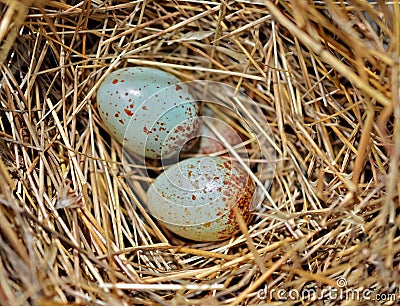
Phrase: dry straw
(326, 75)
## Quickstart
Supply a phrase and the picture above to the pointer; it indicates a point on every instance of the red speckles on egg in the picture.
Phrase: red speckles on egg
(144, 107)
(128, 112)
(243, 203)
(147, 131)
(115, 81)
(178, 87)
(228, 165)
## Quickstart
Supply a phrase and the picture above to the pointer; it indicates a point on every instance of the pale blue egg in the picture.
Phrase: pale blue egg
(194, 198)
(150, 111)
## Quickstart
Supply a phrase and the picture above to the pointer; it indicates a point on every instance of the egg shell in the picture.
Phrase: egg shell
(149, 110)
(209, 142)
(194, 198)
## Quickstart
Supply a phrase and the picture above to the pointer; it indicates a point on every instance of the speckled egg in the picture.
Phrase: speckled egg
(195, 197)
(149, 110)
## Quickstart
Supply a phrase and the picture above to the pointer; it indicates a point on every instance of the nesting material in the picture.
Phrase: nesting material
(325, 75)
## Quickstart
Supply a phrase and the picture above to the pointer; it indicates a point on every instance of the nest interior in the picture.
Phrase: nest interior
(326, 76)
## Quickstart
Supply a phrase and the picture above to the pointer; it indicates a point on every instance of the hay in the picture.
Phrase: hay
(326, 75)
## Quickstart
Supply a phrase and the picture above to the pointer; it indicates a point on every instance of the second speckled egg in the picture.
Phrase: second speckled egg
(149, 110)
(195, 197)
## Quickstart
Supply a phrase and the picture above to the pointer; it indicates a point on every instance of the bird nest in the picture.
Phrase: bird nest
(325, 75)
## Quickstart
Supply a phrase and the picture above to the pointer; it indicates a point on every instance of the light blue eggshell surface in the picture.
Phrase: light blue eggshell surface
(148, 110)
